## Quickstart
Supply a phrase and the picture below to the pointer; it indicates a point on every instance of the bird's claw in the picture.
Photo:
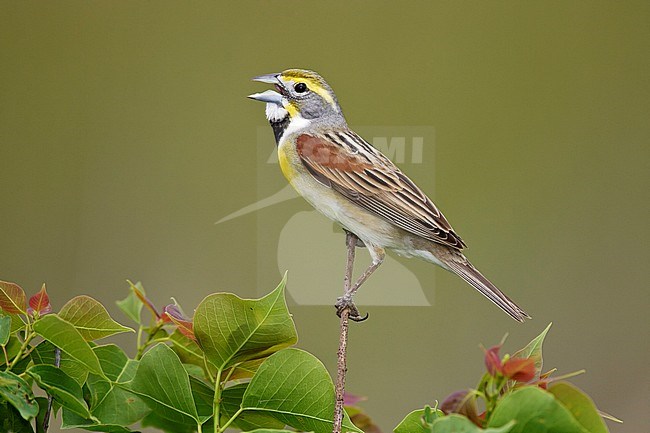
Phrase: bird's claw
(358, 317)
(345, 302)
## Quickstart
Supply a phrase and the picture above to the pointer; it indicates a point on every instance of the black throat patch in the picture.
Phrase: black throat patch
(279, 127)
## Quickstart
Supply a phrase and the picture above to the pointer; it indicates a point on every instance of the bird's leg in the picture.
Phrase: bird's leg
(346, 301)
(377, 260)
(351, 242)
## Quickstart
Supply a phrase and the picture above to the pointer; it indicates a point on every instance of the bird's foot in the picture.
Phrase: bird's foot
(345, 302)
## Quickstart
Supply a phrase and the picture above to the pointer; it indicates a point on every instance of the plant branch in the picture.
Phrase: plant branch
(4, 350)
(207, 369)
(230, 373)
(216, 410)
(150, 339)
(232, 418)
(29, 335)
(341, 364)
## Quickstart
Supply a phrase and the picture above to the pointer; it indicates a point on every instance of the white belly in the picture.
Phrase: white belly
(368, 227)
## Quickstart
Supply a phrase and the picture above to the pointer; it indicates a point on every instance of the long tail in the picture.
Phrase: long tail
(470, 274)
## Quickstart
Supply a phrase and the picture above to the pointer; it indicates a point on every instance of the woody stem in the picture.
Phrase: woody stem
(351, 242)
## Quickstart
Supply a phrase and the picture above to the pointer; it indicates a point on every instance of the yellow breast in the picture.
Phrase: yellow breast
(287, 159)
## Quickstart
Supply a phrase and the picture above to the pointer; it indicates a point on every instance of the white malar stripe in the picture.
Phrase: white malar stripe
(275, 112)
(297, 124)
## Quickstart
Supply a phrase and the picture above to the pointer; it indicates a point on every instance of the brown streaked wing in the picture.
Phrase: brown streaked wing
(369, 179)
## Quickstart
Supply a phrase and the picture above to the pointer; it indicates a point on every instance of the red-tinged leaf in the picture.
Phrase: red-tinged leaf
(547, 375)
(545, 379)
(453, 401)
(173, 311)
(464, 403)
(12, 298)
(185, 328)
(184, 325)
(361, 419)
(40, 302)
(145, 301)
(519, 369)
(492, 360)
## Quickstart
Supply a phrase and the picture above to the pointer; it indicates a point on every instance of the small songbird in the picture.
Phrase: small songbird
(348, 180)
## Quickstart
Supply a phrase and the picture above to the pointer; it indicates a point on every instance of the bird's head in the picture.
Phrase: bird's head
(301, 97)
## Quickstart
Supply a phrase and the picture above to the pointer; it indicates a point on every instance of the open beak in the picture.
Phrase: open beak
(269, 95)
(268, 78)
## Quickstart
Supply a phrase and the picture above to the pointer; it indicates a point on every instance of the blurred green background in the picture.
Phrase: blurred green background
(125, 134)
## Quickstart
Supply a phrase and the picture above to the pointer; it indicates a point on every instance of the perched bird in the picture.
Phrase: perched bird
(351, 182)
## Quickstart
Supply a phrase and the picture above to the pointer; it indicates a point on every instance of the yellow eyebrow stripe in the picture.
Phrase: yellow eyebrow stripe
(312, 83)
(323, 93)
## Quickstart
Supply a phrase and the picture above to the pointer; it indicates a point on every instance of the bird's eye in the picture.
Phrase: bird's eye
(300, 87)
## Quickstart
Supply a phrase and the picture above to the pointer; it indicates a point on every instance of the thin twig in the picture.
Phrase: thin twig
(351, 242)
(46, 419)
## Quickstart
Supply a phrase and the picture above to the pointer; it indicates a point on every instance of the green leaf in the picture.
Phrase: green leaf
(194, 370)
(17, 322)
(90, 318)
(12, 348)
(414, 422)
(120, 407)
(294, 387)
(113, 361)
(581, 406)
(536, 411)
(111, 404)
(187, 349)
(44, 354)
(12, 298)
(67, 338)
(230, 329)
(165, 385)
(132, 305)
(246, 369)
(11, 421)
(20, 367)
(5, 329)
(62, 387)
(18, 393)
(72, 420)
(533, 350)
(156, 421)
(231, 400)
(455, 423)
(203, 395)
